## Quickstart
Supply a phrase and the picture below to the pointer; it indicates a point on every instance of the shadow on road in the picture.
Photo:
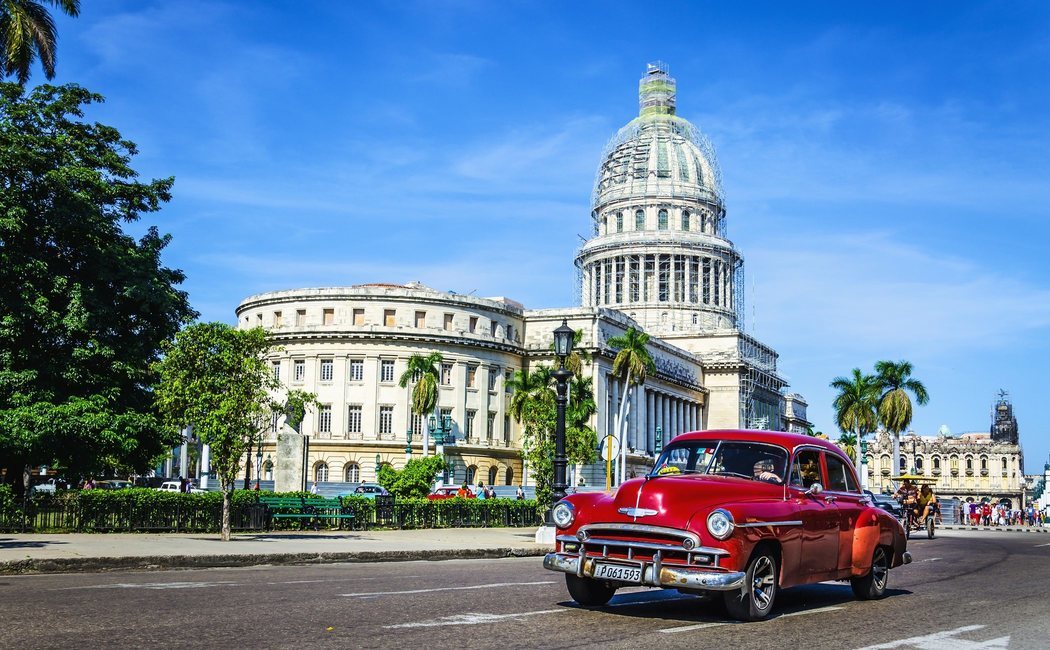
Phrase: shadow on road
(19, 543)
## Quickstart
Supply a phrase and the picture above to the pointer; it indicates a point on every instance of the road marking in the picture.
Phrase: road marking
(930, 559)
(688, 628)
(804, 612)
(473, 618)
(371, 594)
(1039, 545)
(945, 639)
(154, 585)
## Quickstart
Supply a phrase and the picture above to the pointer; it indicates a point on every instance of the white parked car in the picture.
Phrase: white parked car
(174, 486)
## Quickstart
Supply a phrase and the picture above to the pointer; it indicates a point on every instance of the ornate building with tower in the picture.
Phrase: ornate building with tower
(659, 260)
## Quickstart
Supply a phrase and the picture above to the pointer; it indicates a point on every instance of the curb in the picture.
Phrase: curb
(163, 563)
(1008, 529)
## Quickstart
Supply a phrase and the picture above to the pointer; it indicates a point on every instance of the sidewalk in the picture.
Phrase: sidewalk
(1001, 529)
(62, 553)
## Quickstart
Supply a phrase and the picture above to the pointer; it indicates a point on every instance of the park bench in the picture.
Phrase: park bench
(304, 510)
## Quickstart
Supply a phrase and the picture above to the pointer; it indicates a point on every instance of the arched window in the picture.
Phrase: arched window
(902, 462)
(885, 463)
(352, 473)
(605, 224)
(918, 463)
(955, 462)
(984, 463)
(936, 462)
(493, 472)
(1004, 466)
(661, 219)
(685, 220)
(969, 463)
(268, 471)
(619, 222)
(510, 476)
(472, 471)
(639, 220)
(321, 472)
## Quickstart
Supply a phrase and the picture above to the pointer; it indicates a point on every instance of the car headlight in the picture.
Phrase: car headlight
(720, 524)
(563, 514)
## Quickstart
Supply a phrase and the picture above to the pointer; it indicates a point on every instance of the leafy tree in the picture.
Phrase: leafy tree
(415, 480)
(894, 382)
(216, 379)
(632, 363)
(28, 32)
(85, 306)
(296, 404)
(425, 371)
(855, 406)
(848, 441)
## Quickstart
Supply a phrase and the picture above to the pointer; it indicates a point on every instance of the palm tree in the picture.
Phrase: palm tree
(425, 371)
(849, 442)
(895, 409)
(855, 406)
(633, 362)
(28, 32)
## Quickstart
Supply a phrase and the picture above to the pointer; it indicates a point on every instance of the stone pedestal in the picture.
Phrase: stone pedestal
(288, 465)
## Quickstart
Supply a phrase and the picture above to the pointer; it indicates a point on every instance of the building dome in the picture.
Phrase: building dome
(658, 153)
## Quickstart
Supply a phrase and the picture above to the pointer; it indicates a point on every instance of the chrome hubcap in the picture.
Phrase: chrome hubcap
(879, 569)
(763, 582)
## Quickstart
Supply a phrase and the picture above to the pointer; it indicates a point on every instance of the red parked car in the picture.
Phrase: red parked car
(744, 513)
(447, 492)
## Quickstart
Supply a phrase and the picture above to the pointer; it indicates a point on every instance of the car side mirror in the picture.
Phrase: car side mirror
(814, 489)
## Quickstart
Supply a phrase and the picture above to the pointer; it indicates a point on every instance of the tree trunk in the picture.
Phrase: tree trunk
(227, 502)
(621, 416)
(896, 469)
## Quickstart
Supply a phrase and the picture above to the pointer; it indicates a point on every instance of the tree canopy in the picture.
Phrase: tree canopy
(216, 379)
(415, 480)
(27, 32)
(86, 306)
(854, 407)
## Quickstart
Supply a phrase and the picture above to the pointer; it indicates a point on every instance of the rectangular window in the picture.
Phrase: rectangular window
(510, 332)
(472, 376)
(359, 317)
(357, 369)
(468, 426)
(493, 377)
(839, 477)
(300, 317)
(386, 419)
(506, 430)
(473, 324)
(490, 426)
(507, 376)
(299, 373)
(421, 319)
(446, 374)
(328, 316)
(327, 369)
(388, 317)
(324, 418)
(258, 319)
(277, 370)
(448, 321)
(418, 422)
(447, 412)
(273, 422)
(278, 320)
(353, 418)
(386, 371)
(493, 326)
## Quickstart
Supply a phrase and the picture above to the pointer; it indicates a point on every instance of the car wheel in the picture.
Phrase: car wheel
(587, 592)
(930, 526)
(873, 585)
(754, 601)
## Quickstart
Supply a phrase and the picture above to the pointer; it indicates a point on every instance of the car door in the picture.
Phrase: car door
(819, 516)
(850, 502)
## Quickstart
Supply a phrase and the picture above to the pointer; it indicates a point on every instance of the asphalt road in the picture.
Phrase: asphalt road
(964, 590)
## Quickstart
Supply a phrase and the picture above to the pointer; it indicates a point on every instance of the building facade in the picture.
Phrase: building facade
(660, 261)
(971, 467)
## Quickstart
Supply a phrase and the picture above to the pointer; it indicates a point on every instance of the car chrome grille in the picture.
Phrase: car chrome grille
(639, 543)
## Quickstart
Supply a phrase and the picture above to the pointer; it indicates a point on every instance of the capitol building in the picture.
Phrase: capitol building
(659, 260)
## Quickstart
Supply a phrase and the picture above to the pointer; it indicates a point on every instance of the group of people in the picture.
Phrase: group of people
(987, 514)
(485, 492)
(922, 502)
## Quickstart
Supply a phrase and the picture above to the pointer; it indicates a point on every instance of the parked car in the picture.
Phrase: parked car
(113, 484)
(48, 485)
(886, 502)
(368, 491)
(736, 513)
(175, 486)
(448, 492)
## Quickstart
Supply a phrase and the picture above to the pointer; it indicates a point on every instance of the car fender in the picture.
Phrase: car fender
(874, 527)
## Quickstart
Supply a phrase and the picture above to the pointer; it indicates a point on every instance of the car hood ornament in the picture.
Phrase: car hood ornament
(637, 512)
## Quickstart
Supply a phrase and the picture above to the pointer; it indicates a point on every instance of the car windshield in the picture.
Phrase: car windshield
(751, 460)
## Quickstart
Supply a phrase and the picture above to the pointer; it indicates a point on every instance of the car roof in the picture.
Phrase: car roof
(787, 440)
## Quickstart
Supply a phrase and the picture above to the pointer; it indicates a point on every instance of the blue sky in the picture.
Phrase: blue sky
(885, 164)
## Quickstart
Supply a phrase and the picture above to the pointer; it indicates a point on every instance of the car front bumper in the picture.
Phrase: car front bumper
(672, 576)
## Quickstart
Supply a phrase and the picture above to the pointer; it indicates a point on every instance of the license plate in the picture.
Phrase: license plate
(617, 572)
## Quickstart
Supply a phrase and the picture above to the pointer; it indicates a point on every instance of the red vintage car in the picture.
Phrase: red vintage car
(744, 513)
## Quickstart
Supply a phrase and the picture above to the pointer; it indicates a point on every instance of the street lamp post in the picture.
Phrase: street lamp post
(408, 445)
(441, 427)
(379, 459)
(562, 345)
(258, 464)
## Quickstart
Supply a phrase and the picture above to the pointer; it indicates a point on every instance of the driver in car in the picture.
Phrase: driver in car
(763, 471)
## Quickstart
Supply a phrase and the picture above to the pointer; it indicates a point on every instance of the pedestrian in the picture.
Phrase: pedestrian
(313, 488)
(482, 494)
(520, 496)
